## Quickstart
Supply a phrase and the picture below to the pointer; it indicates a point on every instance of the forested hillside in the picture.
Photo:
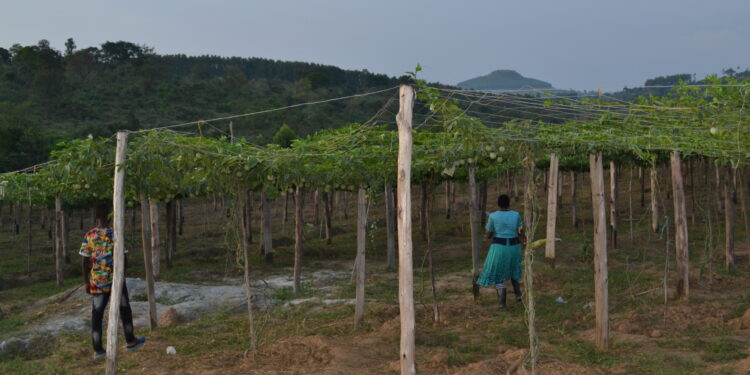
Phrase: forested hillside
(48, 95)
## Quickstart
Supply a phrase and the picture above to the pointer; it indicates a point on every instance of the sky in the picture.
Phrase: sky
(573, 44)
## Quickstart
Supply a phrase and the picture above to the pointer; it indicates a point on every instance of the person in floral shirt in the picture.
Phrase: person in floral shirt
(97, 252)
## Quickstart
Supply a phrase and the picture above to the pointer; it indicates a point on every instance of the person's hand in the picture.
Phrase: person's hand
(88, 288)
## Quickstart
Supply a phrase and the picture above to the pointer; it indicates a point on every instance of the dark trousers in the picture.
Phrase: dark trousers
(98, 304)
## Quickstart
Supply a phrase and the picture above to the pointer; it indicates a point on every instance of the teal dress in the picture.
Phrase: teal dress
(503, 261)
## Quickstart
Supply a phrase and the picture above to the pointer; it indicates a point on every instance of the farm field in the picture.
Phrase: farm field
(301, 334)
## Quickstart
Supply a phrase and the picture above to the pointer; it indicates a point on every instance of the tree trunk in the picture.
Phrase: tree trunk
(359, 306)
(601, 294)
(390, 223)
(405, 270)
(549, 252)
(153, 206)
(146, 240)
(681, 234)
(474, 225)
(297, 238)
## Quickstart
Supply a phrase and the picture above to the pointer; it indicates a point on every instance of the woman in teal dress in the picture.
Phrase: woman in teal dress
(503, 262)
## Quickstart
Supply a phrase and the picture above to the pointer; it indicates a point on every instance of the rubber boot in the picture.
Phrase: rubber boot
(517, 289)
(501, 296)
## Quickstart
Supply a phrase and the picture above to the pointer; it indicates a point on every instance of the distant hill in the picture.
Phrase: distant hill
(503, 80)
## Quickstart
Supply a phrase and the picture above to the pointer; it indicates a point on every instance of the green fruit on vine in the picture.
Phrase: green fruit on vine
(87, 186)
(501, 149)
(270, 178)
(487, 148)
(714, 130)
(493, 155)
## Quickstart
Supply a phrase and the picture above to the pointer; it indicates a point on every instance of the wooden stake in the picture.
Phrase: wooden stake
(58, 241)
(246, 258)
(146, 239)
(549, 250)
(171, 231)
(405, 272)
(297, 238)
(613, 202)
(681, 233)
(118, 278)
(266, 228)
(601, 297)
(359, 306)
(153, 206)
(474, 227)
(573, 206)
(728, 219)
(654, 201)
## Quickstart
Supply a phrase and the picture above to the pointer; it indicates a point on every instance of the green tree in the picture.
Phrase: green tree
(70, 46)
(284, 136)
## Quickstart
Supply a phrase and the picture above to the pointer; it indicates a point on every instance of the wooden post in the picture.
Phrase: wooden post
(474, 227)
(428, 228)
(180, 216)
(654, 200)
(405, 272)
(171, 231)
(549, 251)
(728, 219)
(359, 306)
(58, 241)
(297, 238)
(248, 215)
(601, 281)
(267, 240)
(390, 223)
(246, 258)
(613, 202)
(680, 223)
(118, 279)
(153, 205)
(328, 219)
(146, 240)
(573, 213)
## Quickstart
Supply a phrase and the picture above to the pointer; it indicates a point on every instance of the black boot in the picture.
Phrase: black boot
(517, 289)
(501, 295)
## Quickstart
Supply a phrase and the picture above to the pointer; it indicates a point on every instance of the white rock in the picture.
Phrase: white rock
(171, 350)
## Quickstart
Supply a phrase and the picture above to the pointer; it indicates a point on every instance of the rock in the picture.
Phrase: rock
(740, 323)
(170, 318)
(171, 350)
(656, 333)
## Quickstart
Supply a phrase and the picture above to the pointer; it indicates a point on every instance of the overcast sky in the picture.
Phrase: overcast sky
(580, 44)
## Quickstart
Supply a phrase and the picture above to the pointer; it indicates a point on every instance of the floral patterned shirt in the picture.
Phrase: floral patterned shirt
(98, 244)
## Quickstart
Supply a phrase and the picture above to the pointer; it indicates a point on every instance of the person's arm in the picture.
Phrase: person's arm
(489, 228)
(521, 233)
(86, 268)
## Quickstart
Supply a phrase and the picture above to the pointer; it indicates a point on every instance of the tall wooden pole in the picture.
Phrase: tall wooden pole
(474, 227)
(680, 223)
(728, 219)
(267, 239)
(601, 294)
(613, 202)
(146, 240)
(654, 200)
(359, 306)
(297, 238)
(153, 206)
(549, 251)
(58, 241)
(405, 272)
(573, 204)
(246, 258)
(118, 279)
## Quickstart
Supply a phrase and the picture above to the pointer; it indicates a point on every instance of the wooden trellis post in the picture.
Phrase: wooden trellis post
(601, 297)
(153, 206)
(654, 201)
(390, 223)
(728, 219)
(359, 306)
(267, 239)
(613, 202)
(118, 279)
(552, 194)
(405, 272)
(297, 238)
(146, 239)
(474, 227)
(680, 223)
(573, 204)
(58, 241)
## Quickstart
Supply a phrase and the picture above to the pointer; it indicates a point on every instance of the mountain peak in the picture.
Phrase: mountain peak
(503, 79)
